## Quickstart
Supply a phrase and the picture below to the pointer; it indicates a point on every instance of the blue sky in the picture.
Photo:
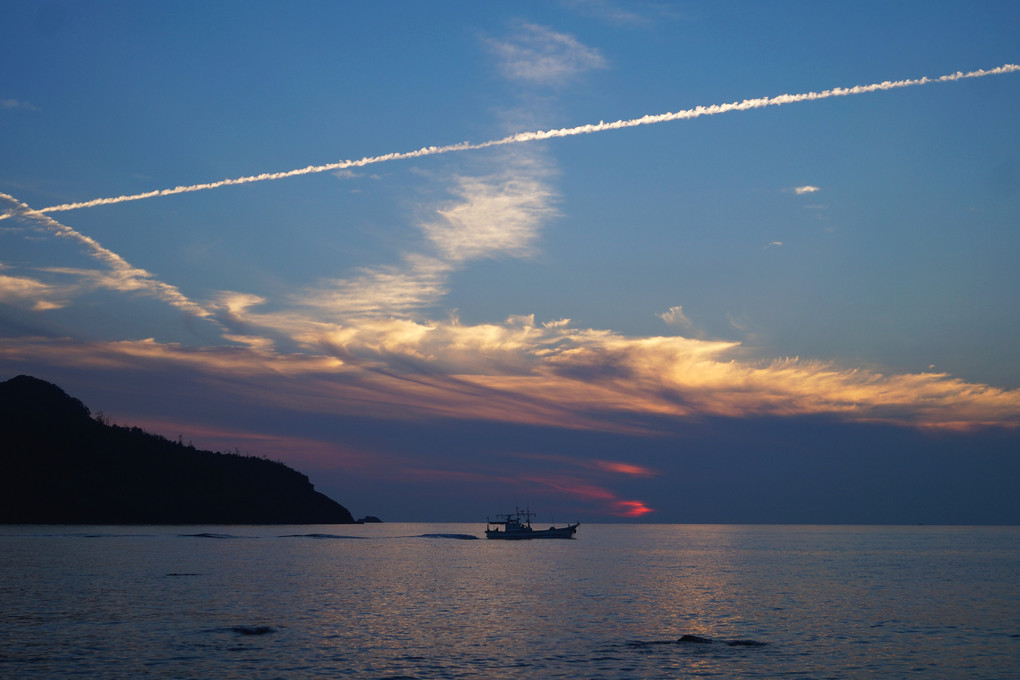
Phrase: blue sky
(714, 318)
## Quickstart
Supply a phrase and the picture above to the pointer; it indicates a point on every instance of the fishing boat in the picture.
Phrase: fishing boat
(516, 526)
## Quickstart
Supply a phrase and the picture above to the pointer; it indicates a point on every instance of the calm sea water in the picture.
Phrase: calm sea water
(426, 601)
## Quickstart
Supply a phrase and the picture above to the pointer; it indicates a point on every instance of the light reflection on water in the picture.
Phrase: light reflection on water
(421, 601)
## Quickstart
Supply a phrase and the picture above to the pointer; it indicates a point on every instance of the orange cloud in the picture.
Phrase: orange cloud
(552, 374)
(624, 468)
(631, 509)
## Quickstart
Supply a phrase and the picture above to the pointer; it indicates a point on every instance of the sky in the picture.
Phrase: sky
(646, 261)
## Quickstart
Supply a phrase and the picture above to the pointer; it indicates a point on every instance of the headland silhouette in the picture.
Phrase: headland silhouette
(59, 465)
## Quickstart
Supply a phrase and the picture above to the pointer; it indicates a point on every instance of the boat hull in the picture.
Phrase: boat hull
(526, 534)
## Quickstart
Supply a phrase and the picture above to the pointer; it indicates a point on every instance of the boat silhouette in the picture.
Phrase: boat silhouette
(516, 526)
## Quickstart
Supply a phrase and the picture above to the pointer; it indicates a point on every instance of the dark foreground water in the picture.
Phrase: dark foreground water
(428, 601)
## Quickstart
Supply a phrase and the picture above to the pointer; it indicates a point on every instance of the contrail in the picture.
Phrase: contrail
(123, 276)
(544, 134)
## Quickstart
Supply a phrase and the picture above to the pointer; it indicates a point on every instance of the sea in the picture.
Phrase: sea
(439, 601)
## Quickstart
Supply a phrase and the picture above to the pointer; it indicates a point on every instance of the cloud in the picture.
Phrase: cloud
(498, 215)
(631, 509)
(612, 13)
(539, 55)
(419, 283)
(68, 283)
(609, 466)
(806, 189)
(149, 355)
(350, 174)
(38, 295)
(624, 468)
(16, 104)
(491, 216)
(556, 375)
(675, 317)
(522, 137)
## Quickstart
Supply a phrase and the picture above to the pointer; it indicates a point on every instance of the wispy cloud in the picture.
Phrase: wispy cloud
(493, 216)
(628, 469)
(37, 295)
(17, 104)
(394, 290)
(64, 284)
(149, 355)
(631, 509)
(675, 316)
(538, 55)
(806, 189)
(538, 135)
(613, 12)
(612, 467)
(350, 174)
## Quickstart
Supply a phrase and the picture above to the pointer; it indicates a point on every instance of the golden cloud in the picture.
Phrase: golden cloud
(519, 371)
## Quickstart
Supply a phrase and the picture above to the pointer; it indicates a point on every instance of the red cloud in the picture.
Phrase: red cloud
(590, 492)
(624, 468)
(631, 508)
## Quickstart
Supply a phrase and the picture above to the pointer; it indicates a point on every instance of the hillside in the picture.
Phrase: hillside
(58, 465)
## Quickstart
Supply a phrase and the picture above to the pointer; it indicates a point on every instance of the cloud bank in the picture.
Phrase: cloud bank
(550, 374)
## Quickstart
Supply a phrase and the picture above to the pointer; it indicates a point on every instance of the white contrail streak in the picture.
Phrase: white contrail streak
(546, 134)
(123, 276)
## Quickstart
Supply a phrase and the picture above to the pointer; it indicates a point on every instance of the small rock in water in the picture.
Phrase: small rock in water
(694, 638)
(253, 630)
(729, 643)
